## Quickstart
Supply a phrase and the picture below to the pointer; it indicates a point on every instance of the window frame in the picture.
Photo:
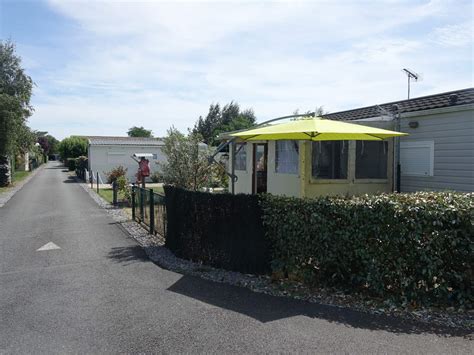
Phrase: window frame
(236, 151)
(418, 144)
(315, 180)
(368, 179)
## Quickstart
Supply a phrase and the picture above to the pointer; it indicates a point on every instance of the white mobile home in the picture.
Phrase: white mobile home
(438, 153)
(106, 153)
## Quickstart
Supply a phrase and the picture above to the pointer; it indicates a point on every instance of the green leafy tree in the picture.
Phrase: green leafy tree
(139, 132)
(229, 118)
(186, 165)
(320, 111)
(15, 94)
(72, 147)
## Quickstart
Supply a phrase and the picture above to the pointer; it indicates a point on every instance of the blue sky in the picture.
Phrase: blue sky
(101, 67)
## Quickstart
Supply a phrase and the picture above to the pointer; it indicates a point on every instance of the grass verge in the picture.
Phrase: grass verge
(17, 177)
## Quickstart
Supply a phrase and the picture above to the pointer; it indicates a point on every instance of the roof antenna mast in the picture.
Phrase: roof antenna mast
(411, 74)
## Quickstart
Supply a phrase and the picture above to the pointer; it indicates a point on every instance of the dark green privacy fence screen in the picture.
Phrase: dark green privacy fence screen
(221, 230)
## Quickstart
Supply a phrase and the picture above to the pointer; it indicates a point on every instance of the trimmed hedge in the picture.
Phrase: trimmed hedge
(221, 230)
(410, 249)
(71, 164)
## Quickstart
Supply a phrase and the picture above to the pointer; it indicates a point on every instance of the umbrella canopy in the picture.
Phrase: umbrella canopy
(316, 129)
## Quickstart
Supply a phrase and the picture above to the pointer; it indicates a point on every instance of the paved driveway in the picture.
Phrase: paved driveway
(99, 293)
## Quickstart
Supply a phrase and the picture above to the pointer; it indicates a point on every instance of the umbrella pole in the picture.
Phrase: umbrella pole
(232, 178)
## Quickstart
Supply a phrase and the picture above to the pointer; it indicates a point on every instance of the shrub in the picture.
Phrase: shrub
(410, 249)
(72, 147)
(71, 164)
(82, 163)
(123, 187)
(156, 177)
(115, 173)
(221, 230)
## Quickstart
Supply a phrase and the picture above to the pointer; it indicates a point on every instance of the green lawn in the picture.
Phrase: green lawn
(17, 177)
(107, 195)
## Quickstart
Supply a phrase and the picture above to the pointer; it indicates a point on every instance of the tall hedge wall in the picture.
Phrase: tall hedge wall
(221, 230)
(408, 248)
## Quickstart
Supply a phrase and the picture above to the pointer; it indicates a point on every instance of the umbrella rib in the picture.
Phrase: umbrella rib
(247, 138)
(371, 135)
(311, 135)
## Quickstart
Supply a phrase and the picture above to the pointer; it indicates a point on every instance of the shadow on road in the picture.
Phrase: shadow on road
(266, 308)
(57, 167)
(128, 255)
(71, 180)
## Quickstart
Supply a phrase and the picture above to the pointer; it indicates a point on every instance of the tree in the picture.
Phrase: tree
(15, 94)
(186, 165)
(139, 132)
(230, 118)
(72, 147)
(48, 143)
(320, 111)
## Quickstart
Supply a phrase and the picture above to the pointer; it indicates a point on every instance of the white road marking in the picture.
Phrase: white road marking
(49, 246)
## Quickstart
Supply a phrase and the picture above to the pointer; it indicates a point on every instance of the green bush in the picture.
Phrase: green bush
(410, 249)
(157, 177)
(71, 164)
(72, 147)
(115, 173)
(82, 163)
(123, 187)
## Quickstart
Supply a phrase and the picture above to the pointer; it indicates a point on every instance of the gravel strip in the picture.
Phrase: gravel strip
(154, 248)
(7, 195)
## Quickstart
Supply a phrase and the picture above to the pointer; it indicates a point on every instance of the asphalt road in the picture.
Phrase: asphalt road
(99, 293)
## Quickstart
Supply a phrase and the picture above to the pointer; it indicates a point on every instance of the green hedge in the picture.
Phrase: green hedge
(406, 248)
(71, 164)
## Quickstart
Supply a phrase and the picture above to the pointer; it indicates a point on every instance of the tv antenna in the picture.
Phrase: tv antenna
(411, 75)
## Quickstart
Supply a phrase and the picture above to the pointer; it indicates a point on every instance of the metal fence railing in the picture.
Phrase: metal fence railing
(148, 207)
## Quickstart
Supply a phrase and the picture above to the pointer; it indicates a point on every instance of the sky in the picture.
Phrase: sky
(101, 67)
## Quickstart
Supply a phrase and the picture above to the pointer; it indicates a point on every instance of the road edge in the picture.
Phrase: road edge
(7, 195)
(165, 259)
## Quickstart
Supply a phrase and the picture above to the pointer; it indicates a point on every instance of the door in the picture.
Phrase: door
(259, 175)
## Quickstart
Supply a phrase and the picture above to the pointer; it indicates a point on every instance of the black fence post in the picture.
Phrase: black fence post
(152, 212)
(91, 178)
(133, 201)
(114, 193)
(142, 203)
(97, 182)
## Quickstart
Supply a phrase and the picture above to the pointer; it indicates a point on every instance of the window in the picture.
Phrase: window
(417, 158)
(371, 159)
(241, 156)
(286, 157)
(329, 159)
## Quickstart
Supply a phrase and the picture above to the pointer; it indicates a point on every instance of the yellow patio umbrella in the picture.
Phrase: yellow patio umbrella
(316, 129)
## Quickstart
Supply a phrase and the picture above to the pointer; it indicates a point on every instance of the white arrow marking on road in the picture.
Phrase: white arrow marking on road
(49, 246)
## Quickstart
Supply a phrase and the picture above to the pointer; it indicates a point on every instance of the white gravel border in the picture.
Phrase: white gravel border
(159, 254)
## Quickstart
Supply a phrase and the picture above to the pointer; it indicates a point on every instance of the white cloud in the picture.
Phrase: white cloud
(455, 35)
(161, 63)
